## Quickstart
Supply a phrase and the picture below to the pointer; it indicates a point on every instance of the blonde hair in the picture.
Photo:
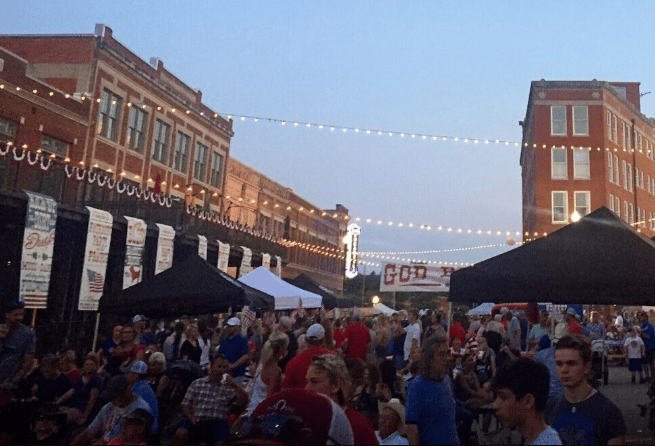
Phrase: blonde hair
(276, 343)
(189, 328)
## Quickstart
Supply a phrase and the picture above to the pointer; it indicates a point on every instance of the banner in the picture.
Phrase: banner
(38, 245)
(98, 239)
(223, 256)
(246, 262)
(278, 266)
(266, 261)
(136, 242)
(352, 250)
(415, 277)
(202, 246)
(165, 245)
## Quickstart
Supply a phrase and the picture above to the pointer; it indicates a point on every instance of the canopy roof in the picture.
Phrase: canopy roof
(597, 260)
(330, 300)
(190, 287)
(287, 296)
(482, 309)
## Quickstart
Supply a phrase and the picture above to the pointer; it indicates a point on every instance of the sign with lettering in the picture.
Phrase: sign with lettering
(165, 245)
(136, 242)
(96, 253)
(415, 277)
(38, 246)
(223, 256)
(202, 246)
(246, 262)
(352, 249)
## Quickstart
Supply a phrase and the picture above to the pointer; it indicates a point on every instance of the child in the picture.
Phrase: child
(633, 346)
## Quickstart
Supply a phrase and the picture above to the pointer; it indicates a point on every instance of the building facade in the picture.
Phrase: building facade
(586, 144)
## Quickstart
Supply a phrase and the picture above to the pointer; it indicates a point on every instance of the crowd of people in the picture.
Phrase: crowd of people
(408, 378)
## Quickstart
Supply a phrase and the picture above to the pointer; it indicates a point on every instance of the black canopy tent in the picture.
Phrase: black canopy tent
(330, 300)
(191, 287)
(597, 260)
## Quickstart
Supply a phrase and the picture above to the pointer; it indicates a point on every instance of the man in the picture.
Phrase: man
(17, 345)
(583, 415)
(136, 378)
(413, 331)
(457, 330)
(109, 421)
(521, 391)
(296, 370)
(206, 405)
(398, 335)
(391, 424)
(596, 328)
(136, 428)
(430, 411)
(286, 325)
(513, 331)
(648, 336)
(357, 337)
(537, 331)
(146, 336)
(235, 349)
(571, 318)
(51, 384)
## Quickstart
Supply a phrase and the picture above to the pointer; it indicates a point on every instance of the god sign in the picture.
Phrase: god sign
(415, 277)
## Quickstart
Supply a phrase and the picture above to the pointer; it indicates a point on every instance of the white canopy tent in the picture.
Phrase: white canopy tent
(482, 309)
(287, 296)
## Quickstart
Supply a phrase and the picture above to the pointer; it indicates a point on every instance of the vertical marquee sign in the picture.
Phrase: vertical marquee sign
(38, 246)
(223, 256)
(352, 249)
(136, 242)
(202, 246)
(96, 252)
(165, 245)
(246, 262)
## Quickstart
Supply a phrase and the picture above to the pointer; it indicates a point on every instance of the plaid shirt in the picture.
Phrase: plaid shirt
(209, 401)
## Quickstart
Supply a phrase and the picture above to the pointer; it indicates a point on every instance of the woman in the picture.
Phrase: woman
(157, 374)
(365, 400)
(81, 399)
(485, 363)
(129, 349)
(382, 338)
(467, 387)
(68, 366)
(191, 349)
(268, 375)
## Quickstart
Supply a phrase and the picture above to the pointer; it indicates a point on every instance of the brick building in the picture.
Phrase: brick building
(585, 145)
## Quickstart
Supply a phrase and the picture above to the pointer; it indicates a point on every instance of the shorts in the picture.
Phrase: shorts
(648, 358)
(634, 365)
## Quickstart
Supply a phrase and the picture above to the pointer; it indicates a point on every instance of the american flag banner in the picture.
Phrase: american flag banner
(299, 313)
(96, 255)
(248, 316)
(96, 281)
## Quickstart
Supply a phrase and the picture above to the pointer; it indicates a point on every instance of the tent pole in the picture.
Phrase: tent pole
(95, 332)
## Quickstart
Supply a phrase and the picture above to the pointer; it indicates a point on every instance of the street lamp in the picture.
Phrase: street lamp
(375, 300)
(575, 216)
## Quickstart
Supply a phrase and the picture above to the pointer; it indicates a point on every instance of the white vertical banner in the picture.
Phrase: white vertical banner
(266, 261)
(202, 246)
(223, 256)
(165, 245)
(96, 253)
(246, 262)
(38, 246)
(135, 244)
(278, 266)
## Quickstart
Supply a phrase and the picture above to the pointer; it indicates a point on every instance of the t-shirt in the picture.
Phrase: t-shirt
(143, 389)
(192, 352)
(358, 339)
(51, 389)
(413, 332)
(82, 393)
(296, 371)
(109, 421)
(595, 420)
(338, 335)
(536, 332)
(457, 330)
(363, 432)
(233, 349)
(634, 347)
(649, 342)
(546, 437)
(15, 346)
(514, 328)
(431, 406)
(575, 328)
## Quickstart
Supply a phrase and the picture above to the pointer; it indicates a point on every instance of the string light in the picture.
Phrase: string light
(433, 251)
(439, 228)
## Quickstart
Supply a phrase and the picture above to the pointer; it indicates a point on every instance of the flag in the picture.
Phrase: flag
(300, 312)
(96, 281)
(322, 312)
(248, 316)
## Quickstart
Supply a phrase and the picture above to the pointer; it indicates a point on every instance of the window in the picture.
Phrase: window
(54, 145)
(560, 207)
(625, 174)
(617, 180)
(632, 214)
(580, 120)
(581, 164)
(109, 115)
(640, 179)
(215, 169)
(582, 206)
(200, 162)
(160, 141)
(611, 203)
(7, 130)
(630, 177)
(558, 120)
(610, 169)
(181, 155)
(625, 212)
(136, 128)
(558, 163)
(609, 125)
(617, 206)
(623, 135)
(640, 143)
(615, 137)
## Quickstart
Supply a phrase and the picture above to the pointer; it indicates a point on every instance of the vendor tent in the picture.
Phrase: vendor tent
(597, 260)
(287, 296)
(191, 287)
(382, 308)
(482, 309)
(330, 300)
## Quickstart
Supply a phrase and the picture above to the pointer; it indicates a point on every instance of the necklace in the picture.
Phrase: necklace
(574, 409)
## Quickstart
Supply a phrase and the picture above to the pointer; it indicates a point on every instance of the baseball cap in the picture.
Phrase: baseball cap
(139, 367)
(233, 322)
(316, 331)
(114, 387)
(504, 310)
(138, 318)
(395, 405)
(571, 310)
(140, 416)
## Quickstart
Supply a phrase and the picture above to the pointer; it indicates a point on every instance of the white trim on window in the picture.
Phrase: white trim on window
(581, 169)
(617, 180)
(558, 120)
(610, 168)
(624, 167)
(611, 202)
(559, 168)
(582, 202)
(609, 125)
(560, 207)
(580, 120)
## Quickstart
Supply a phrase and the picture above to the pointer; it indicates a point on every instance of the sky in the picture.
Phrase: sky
(459, 69)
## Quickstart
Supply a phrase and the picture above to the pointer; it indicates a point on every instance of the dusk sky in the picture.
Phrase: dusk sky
(457, 69)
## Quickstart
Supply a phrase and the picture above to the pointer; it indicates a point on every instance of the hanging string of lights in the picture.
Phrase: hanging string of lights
(434, 251)
(437, 227)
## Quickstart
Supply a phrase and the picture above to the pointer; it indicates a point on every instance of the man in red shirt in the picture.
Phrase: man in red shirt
(457, 330)
(338, 334)
(357, 338)
(572, 321)
(296, 370)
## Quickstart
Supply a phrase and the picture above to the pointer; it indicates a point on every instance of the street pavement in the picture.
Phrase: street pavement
(627, 395)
